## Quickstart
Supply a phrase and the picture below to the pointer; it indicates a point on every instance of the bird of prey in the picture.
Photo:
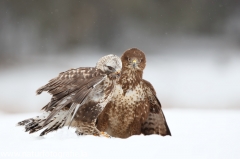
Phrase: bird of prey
(78, 97)
(134, 108)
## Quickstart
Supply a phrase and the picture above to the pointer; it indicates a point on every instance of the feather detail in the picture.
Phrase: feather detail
(86, 87)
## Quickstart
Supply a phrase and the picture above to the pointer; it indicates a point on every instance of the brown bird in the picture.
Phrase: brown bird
(134, 107)
(78, 97)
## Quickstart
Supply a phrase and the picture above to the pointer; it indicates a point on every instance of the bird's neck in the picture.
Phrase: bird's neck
(130, 79)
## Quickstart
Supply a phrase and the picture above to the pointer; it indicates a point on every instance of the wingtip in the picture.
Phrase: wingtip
(169, 133)
(168, 130)
(39, 91)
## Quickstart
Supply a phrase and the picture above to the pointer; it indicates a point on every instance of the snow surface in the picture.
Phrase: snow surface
(198, 133)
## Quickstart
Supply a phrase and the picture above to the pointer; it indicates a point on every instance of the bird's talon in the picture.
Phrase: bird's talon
(104, 134)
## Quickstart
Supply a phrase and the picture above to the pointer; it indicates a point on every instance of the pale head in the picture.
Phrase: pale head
(110, 64)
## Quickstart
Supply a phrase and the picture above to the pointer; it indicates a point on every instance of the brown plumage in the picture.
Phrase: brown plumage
(78, 97)
(134, 107)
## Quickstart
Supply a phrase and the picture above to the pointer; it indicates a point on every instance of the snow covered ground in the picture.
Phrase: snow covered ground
(208, 85)
(198, 133)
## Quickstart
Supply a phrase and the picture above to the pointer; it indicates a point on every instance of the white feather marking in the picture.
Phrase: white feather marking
(65, 100)
(58, 118)
(73, 107)
(100, 81)
(132, 95)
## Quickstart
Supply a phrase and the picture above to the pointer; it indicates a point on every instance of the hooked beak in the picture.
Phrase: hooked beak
(134, 63)
(117, 73)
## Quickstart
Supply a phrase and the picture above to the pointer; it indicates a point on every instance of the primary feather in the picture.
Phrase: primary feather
(78, 97)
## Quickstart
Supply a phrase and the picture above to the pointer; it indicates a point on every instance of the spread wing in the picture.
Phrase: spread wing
(70, 89)
(72, 85)
(156, 122)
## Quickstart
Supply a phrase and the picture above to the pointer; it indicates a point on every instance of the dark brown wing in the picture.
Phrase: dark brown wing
(76, 88)
(72, 86)
(156, 122)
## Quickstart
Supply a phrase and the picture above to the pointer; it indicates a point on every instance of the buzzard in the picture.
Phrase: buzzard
(78, 97)
(134, 108)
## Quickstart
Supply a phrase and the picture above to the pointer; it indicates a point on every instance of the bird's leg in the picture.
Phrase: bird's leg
(100, 133)
(82, 131)
(90, 129)
(96, 132)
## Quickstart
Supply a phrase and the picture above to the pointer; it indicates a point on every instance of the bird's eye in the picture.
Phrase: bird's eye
(110, 68)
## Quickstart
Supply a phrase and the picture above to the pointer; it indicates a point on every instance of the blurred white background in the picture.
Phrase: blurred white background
(192, 47)
(187, 72)
(193, 61)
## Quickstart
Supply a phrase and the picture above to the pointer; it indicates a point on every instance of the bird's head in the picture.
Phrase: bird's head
(134, 59)
(111, 65)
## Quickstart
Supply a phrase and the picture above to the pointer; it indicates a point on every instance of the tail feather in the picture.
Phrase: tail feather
(57, 123)
(58, 109)
(25, 122)
(38, 123)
